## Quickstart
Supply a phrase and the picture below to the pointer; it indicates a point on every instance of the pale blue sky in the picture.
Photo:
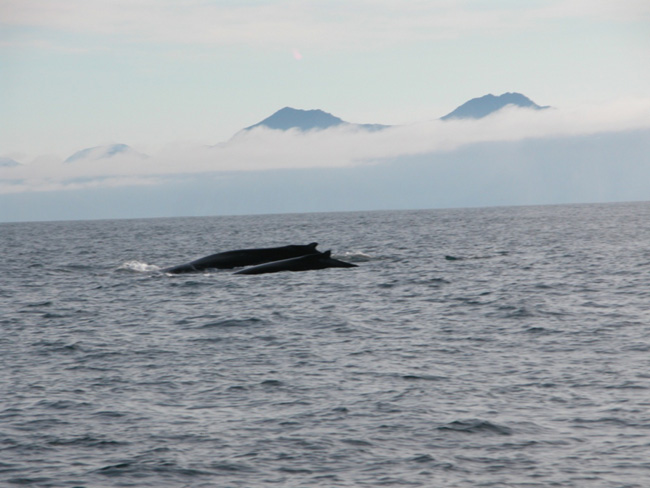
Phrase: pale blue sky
(80, 73)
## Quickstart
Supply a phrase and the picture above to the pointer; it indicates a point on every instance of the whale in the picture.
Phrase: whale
(319, 260)
(244, 257)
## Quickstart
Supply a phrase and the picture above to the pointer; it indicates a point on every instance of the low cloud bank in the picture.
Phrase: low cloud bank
(340, 147)
(604, 167)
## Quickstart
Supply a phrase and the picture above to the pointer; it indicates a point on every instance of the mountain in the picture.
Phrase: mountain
(8, 163)
(305, 120)
(291, 118)
(478, 108)
(104, 152)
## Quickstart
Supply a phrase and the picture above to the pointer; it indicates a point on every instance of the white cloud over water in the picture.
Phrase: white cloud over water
(343, 146)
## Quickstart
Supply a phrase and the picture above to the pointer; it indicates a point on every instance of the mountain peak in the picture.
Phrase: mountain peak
(8, 162)
(103, 152)
(477, 108)
(306, 120)
(293, 118)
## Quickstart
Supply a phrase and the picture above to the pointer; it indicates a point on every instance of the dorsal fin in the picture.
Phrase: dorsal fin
(327, 254)
(313, 245)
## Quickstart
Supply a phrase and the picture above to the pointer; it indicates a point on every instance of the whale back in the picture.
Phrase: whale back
(320, 260)
(244, 257)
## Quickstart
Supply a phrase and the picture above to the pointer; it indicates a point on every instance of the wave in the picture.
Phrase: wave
(353, 256)
(138, 267)
(232, 323)
(475, 426)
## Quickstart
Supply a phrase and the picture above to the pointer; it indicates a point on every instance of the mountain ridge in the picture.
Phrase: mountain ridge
(103, 152)
(480, 107)
(8, 162)
(289, 118)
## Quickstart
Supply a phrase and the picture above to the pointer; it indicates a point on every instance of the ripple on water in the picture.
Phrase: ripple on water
(472, 426)
(227, 323)
(412, 370)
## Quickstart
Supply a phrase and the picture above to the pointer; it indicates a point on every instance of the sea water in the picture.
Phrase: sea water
(524, 361)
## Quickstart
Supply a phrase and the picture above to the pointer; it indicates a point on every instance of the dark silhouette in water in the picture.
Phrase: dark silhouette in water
(244, 257)
(463, 258)
(304, 263)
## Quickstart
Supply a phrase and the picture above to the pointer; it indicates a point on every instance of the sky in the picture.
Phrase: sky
(81, 73)
(174, 78)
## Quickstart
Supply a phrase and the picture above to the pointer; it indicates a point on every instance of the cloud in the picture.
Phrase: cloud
(352, 24)
(53, 185)
(342, 146)
(602, 167)
(621, 11)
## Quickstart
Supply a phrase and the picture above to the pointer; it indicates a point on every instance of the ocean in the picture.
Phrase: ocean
(524, 361)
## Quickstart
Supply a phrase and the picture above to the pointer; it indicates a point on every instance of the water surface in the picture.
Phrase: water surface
(525, 362)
